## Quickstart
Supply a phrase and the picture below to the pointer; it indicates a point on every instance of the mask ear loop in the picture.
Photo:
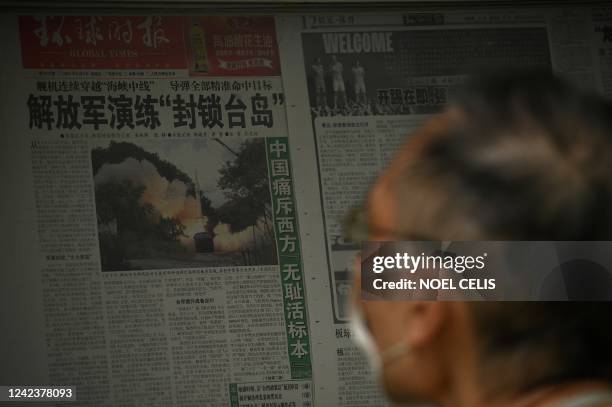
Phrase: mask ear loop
(363, 338)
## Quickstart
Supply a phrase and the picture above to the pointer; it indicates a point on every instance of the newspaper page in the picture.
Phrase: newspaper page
(174, 228)
(168, 247)
(368, 81)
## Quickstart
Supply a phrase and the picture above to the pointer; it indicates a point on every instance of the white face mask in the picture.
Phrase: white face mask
(378, 360)
(364, 340)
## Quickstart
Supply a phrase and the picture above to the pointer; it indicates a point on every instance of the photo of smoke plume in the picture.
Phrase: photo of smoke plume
(164, 204)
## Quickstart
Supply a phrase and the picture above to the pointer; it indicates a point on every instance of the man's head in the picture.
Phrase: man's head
(522, 157)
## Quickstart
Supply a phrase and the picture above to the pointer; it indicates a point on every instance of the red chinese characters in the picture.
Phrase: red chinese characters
(102, 42)
(236, 46)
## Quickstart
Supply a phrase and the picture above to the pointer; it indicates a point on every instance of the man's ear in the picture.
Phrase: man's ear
(424, 321)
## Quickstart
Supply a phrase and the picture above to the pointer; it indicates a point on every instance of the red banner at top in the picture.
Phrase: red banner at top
(102, 42)
(232, 46)
(206, 46)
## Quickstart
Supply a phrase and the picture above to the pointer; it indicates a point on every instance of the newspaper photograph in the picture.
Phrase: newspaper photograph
(365, 73)
(220, 215)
